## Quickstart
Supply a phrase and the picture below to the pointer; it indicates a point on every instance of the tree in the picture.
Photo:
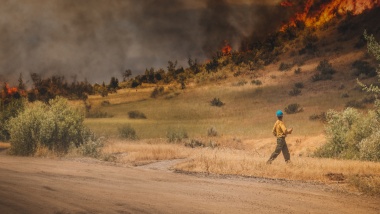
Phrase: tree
(126, 74)
(21, 84)
(374, 49)
(194, 66)
(114, 84)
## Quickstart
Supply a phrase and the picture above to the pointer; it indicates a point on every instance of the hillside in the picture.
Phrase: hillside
(249, 108)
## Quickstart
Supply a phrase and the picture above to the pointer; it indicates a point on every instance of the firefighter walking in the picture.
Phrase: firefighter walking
(280, 131)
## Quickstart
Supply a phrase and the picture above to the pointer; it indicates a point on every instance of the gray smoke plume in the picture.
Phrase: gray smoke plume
(97, 39)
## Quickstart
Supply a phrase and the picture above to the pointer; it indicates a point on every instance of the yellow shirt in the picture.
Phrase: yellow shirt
(279, 129)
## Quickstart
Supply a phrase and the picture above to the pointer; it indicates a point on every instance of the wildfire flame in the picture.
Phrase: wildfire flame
(328, 11)
(226, 50)
(10, 90)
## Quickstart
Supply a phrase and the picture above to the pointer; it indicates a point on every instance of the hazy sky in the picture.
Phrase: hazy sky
(97, 39)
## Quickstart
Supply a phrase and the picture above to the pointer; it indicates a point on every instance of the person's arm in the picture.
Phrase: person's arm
(289, 131)
(285, 130)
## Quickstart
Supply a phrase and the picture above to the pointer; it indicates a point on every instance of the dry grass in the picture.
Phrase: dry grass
(142, 152)
(4, 145)
(248, 158)
(228, 161)
(364, 176)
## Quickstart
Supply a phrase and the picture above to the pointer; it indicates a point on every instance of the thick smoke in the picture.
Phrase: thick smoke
(97, 39)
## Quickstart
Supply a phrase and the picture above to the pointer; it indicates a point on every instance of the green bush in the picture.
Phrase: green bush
(136, 115)
(7, 111)
(92, 148)
(370, 147)
(351, 135)
(55, 126)
(127, 132)
(293, 108)
(176, 135)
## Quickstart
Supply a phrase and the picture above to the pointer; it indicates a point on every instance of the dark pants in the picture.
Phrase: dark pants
(281, 146)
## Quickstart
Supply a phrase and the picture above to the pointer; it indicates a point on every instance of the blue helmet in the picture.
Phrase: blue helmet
(279, 113)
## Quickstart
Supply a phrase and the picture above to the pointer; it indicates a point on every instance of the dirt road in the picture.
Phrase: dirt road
(32, 185)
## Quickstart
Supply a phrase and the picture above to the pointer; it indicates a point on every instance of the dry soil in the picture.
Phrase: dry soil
(36, 185)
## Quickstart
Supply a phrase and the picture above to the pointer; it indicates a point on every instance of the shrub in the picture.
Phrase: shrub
(299, 85)
(127, 132)
(369, 184)
(363, 68)
(216, 102)
(91, 148)
(325, 71)
(355, 104)
(285, 66)
(321, 117)
(194, 143)
(295, 92)
(370, 147)
(293, 108)
(350, 135)
(176, 135)
(369, 99)
(256, 82)
(240, 83)
(55, 126)
(8, 111)
(212, 132)
(136, 115)
(157, 91)
(105, 103)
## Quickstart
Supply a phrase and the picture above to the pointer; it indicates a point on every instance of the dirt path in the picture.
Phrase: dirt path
(32, 185)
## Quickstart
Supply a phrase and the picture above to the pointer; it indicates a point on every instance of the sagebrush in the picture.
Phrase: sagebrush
(55, 125)
(352, 135)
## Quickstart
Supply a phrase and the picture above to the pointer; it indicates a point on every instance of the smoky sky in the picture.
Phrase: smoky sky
(97, 39)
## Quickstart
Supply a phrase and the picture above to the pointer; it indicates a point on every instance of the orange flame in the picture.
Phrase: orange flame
(328, 11)
(226, 50)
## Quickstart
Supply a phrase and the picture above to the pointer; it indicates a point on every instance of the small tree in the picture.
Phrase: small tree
(114, 84)
(126, 74)
(374, 48)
